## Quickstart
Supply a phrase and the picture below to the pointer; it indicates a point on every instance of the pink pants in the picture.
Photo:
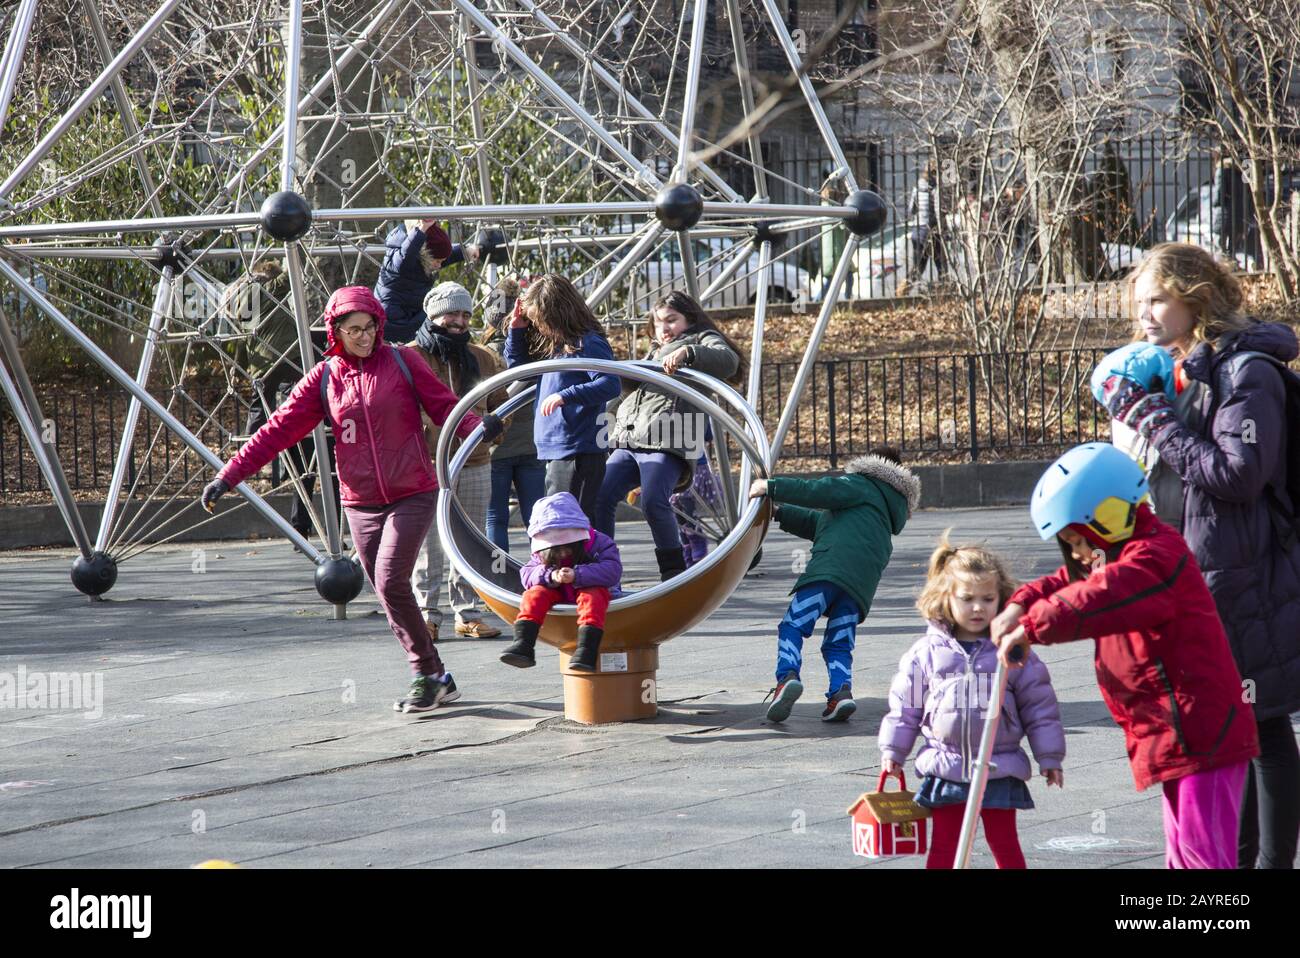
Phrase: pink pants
(388, 540)
(1202, 813)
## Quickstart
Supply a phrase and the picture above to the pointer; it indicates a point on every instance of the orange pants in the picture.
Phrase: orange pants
(538, 600)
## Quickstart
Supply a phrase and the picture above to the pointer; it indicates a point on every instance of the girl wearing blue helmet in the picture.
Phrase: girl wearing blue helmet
(1163, 663)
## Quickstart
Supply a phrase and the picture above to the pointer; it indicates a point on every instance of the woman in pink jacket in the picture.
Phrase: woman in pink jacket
(372, 400)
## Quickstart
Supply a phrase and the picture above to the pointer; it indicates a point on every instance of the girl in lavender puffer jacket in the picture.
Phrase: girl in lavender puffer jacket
(572, 562)
(942, 691)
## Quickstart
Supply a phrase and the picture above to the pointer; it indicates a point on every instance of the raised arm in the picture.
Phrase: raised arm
(831, 492)
(516, 349)
(406, 261)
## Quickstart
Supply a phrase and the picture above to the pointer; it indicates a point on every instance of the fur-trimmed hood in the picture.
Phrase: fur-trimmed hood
(895, 476)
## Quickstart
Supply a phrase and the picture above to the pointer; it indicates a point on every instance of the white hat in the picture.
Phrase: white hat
(546, 538)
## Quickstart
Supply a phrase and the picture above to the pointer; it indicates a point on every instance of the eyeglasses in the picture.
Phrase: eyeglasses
(356, 332)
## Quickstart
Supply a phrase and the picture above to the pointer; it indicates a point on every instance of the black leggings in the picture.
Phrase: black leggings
(1270, 812)
(580, 474)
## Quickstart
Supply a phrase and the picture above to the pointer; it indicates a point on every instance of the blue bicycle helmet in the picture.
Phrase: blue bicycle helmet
(1093, 485)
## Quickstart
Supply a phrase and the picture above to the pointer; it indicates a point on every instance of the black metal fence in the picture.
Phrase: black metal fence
(1025, 405)
(1143, 189)
(87, 428)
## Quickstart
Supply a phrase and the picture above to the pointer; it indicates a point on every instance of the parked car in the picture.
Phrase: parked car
(886, 260)
(1192, 221)
(662, 272)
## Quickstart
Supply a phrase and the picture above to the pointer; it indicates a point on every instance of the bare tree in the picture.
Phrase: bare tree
(1046, 129)
(1241, 58)
(1016, 115)
(333, 158)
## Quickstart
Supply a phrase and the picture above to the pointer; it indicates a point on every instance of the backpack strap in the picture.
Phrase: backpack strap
(325, 381)
(410, 380)
(406, 370)
(325, 390)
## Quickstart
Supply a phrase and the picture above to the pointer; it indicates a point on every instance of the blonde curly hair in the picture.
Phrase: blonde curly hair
(946, 563)
(1199, 281)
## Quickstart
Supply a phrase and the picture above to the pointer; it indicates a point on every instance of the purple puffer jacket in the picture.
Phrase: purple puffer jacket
(943, 693)
(1231, 448)
(604, 569)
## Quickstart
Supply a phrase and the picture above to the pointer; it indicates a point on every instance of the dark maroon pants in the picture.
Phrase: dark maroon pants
(388, 541)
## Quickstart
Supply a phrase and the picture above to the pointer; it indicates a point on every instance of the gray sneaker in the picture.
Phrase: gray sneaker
(427, 693)
(840, 705)
(783, 698)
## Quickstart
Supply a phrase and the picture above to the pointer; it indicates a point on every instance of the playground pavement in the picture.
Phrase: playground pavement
(240, 722)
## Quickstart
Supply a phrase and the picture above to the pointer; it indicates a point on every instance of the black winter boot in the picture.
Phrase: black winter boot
(521, 653)
(584, 656)
(671, 562)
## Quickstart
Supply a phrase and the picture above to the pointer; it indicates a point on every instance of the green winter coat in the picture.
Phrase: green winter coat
(833, 248)
(254, 306)
(650, 419)
(851, 520)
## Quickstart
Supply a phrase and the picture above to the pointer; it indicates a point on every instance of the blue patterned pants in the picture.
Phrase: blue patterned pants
(806, 606)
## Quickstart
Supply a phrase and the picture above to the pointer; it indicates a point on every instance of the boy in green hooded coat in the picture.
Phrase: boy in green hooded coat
(851, 520)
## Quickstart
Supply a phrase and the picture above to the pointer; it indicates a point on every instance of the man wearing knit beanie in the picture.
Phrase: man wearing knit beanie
(415, 251)
(447, 298)
(444, 342)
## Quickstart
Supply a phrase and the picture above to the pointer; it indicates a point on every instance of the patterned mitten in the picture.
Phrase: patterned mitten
(1145, 412)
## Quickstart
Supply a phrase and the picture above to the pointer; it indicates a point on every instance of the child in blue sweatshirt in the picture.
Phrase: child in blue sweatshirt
(552, 321)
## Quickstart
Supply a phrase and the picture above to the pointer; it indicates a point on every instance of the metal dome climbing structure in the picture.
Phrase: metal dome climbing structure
(181, 147)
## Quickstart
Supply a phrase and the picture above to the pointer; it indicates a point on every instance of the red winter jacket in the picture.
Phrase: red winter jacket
(1162, 657)
(379, 435)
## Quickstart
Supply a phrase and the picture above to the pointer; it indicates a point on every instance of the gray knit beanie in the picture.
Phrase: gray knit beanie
(447, 298)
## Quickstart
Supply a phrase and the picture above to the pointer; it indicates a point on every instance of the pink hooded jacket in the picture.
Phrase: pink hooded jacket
(373, 410)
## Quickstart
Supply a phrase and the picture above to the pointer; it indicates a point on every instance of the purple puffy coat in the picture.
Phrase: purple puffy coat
(943, 694)
(1227, 520)
(604, 568)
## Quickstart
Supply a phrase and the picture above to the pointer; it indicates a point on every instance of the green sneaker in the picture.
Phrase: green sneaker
(427, 693)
